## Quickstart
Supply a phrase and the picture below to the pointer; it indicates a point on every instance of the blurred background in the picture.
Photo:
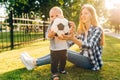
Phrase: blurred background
(107, 10)
(27, 20)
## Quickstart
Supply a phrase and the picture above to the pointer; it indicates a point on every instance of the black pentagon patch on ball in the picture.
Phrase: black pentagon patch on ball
(60, 26)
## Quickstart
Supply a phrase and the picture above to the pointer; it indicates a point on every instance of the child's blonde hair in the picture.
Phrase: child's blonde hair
(58, 11)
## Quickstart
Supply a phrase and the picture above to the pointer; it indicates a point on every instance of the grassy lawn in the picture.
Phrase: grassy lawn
(11, 67)
(20, 36)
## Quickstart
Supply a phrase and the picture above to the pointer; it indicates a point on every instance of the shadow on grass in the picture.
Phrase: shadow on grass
(78, 73)
(43, 73)
(74, 73)
(23, 74)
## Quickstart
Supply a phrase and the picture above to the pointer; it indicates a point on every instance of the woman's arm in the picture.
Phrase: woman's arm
(71, 35)
(76, 41)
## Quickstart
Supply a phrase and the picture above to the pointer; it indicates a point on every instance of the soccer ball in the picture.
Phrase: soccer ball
(60, 26)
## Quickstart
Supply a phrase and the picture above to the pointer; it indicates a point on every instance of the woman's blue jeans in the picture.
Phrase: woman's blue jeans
(73, 57)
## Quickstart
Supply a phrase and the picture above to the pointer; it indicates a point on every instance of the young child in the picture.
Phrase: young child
(58, 47)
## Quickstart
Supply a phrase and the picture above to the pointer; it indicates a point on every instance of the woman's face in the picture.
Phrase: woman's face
(85, 16)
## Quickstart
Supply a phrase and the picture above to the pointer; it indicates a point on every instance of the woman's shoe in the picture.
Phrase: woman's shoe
(27, 61)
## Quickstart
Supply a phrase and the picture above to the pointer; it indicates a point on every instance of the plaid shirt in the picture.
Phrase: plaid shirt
(91, 46)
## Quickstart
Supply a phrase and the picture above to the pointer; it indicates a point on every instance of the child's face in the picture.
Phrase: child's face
(53, 15)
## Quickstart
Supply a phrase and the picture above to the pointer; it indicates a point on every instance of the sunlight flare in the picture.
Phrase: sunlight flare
(110, 4)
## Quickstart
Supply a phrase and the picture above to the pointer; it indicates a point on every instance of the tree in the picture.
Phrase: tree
(27, 6)
(71, 8)
(114, 19)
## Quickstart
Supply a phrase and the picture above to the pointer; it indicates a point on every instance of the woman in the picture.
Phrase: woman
(89, 38)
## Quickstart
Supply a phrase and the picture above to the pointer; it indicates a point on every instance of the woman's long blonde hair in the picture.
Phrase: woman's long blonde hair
(94, 21)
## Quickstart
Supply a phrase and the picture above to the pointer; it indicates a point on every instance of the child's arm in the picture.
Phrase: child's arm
(51, 34)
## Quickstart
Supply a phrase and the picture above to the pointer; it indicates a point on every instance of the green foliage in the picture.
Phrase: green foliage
(71, 8)
(61, 2)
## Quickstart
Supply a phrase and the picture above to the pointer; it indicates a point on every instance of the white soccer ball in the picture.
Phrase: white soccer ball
(60, 26)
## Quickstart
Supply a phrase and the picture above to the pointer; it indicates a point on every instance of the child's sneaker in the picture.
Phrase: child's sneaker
(64, 72)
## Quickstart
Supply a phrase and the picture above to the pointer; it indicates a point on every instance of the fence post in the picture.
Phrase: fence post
(43, 16)
(11, 29)
(44, 30)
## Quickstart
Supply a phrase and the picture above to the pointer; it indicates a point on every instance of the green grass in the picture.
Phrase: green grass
(11, 67)
(20, 36)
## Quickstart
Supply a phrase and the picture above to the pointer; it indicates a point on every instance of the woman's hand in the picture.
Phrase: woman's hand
(67, 37)
(71, 34)
(72, 26)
